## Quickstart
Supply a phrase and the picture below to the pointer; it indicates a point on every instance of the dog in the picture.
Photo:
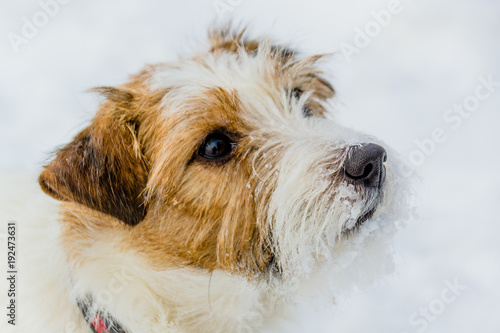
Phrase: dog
(201, 192)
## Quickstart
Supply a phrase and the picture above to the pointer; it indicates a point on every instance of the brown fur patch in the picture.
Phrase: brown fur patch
(104, 167)
(203, 213)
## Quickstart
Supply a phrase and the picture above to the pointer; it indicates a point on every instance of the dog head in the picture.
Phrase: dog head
(228, 160)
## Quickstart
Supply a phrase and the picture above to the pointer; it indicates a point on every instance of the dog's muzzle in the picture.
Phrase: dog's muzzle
(365, 165)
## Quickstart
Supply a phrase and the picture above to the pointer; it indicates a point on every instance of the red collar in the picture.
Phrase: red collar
(98, 322)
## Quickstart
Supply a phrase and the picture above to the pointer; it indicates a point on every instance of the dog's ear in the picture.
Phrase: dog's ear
(103, 167)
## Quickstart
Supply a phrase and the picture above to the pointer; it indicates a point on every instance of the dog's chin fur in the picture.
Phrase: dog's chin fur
(166, 241)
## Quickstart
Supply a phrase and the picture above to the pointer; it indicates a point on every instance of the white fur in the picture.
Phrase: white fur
(178, 299)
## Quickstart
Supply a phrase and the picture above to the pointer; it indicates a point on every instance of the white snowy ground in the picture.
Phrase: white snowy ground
(428, 58)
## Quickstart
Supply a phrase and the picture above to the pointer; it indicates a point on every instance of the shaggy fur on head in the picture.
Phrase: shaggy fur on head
(205, 244)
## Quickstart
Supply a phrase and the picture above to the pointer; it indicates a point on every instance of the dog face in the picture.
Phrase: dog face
(228, 160)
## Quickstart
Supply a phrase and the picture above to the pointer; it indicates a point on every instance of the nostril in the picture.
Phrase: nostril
(366, 172)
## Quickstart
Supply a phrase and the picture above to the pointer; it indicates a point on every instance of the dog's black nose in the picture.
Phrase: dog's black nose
(365, 164)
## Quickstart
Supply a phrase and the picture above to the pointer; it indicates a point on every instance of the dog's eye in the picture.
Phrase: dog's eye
(296, 93)
(217, 145)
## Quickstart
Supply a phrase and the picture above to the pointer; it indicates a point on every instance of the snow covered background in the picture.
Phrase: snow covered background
(399, 87)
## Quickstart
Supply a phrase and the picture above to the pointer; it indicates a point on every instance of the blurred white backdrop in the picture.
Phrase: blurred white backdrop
(400, 86)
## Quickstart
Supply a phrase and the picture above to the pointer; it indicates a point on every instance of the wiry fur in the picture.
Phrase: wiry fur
(206, 246)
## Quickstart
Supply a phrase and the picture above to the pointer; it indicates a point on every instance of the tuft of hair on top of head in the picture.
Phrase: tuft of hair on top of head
(233, 38)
